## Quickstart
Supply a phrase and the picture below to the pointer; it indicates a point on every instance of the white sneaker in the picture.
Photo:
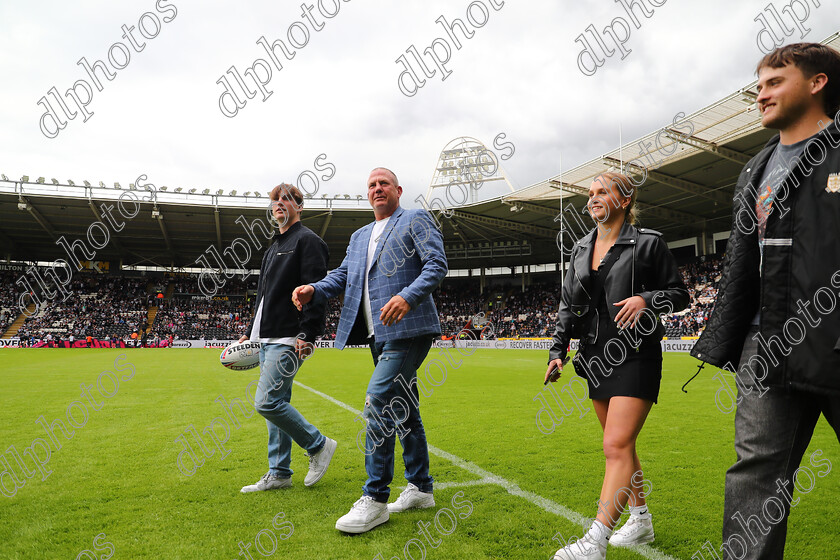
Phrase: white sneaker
(412, 497)
(268, 482)
(583, 549)
(319, 462)
(365, 514)
(637, 530)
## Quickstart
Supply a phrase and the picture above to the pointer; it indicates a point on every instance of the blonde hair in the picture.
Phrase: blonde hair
(625, 187)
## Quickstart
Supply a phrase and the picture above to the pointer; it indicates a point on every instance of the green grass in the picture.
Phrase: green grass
(118, 474)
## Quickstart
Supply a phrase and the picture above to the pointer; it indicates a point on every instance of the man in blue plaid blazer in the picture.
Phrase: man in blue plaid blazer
(391, 268)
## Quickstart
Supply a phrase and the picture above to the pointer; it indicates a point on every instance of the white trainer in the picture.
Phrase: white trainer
(583, 549)
(319, 462)
(365, 514)
(268, 482)
(410, 498)
(637, 530)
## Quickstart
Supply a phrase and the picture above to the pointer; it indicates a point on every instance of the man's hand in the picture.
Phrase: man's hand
(304, 349)
(630, 312)
(243, 338)
(558, 363)
(302, 295)
(394, 311)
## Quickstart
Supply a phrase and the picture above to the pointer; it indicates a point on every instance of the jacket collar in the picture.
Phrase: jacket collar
(389, 227)
(759, 162)
(628, 235)
(294, 227)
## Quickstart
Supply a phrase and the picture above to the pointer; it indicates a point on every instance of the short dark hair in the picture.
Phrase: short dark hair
(811, 59)
(283, 188)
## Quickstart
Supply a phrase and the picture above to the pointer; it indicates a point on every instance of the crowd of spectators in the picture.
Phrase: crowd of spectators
(98, 305)
(701, 280)
(457, 305)
(104, 306)
(8, 305)
(187, 318)
(528, 314)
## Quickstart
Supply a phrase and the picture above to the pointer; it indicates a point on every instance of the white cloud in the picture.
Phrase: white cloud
(518, 74)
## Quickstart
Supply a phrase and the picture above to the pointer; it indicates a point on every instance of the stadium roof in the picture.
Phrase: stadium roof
(692, 167)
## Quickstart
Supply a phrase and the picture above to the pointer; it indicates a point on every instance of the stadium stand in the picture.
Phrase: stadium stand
(106, 306)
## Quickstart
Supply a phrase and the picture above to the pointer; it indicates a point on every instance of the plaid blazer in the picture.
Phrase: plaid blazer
(409, 262)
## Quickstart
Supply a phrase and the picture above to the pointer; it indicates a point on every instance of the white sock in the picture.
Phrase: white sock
(638, 511)
(599, 532)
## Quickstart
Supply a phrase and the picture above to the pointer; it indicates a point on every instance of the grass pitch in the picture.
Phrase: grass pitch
(115, 487)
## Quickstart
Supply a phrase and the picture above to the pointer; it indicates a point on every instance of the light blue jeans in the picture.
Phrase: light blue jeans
(391, 411)
(278, 365)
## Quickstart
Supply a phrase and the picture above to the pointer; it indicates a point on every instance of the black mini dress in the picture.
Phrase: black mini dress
(612, 366)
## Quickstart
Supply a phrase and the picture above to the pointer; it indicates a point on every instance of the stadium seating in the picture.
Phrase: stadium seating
(105, 306)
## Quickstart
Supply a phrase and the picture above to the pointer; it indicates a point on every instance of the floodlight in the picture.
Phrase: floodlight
(164, 188)
(220, 192)
(41, 180)
(233, 192)
(118, 186)
(25, 178)
(4, 176)
(347, 197)
(87, 184)
(192, 191)
(71, 183)
(54, 181)
(178, 189)
(102, 184)
(205, 191)
(256, 194)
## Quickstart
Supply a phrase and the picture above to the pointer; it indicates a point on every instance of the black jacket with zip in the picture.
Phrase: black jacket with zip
(796, 284)
(293, 259)
(644, 268)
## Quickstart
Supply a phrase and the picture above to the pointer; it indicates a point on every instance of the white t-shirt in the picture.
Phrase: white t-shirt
(378, 228)
(255, 331)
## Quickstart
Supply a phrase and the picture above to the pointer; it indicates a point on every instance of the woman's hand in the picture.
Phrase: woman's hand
(558, 364)
(628, 315)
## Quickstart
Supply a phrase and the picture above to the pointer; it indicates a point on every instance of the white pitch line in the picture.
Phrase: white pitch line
(486, 477)
(445, 485)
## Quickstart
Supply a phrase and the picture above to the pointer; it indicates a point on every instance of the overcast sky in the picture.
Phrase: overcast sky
(339, 95)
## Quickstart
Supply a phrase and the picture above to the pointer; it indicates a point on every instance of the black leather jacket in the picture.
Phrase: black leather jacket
(644, 268)
(794, 284)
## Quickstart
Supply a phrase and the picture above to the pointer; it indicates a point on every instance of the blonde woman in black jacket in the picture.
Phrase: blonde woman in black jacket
(620, 280)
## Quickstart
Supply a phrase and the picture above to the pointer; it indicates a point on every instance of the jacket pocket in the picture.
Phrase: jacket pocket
(579, 310)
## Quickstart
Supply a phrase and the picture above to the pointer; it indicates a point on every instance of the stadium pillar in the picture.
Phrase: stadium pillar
(481, 282)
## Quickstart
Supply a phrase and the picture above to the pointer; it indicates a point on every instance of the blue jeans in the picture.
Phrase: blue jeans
(278, 365)
(772, 432)
(391, 409)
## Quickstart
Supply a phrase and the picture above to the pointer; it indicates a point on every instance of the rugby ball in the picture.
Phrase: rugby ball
(241, 356)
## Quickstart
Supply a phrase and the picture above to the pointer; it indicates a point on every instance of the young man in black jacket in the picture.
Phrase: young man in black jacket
(775, 315)
(296, 256)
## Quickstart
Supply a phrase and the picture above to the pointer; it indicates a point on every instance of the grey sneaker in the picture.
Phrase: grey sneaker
(637, 530)
(267, 482)
(412, 497)
(319, 462)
